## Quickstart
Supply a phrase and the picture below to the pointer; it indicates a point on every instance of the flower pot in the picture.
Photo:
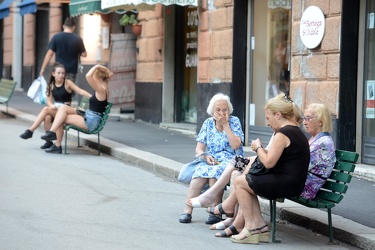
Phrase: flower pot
(137, 29)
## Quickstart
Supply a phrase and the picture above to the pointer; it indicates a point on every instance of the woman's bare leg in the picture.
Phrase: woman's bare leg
(46, 111)
(195, 188)
(209, 198)
(249, 204)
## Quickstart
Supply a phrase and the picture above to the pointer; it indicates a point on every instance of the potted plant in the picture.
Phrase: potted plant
(131, 20)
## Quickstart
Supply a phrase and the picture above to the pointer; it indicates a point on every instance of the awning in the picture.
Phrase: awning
(80, 7)
(27, 6)
(143, 4)
(4, 8)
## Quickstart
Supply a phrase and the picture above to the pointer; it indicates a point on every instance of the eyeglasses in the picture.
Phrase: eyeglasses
(308, 118)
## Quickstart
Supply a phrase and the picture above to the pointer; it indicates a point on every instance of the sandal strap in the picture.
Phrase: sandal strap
(260, 228)
(233, 229)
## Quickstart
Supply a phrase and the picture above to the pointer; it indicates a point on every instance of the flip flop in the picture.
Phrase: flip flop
(194, 203)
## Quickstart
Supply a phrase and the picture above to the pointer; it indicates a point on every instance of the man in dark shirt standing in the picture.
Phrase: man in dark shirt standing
(68, 47)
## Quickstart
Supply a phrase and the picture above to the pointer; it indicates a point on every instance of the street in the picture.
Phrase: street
(84, 201)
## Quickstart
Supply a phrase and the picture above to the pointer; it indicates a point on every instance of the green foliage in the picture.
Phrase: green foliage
(128, 20)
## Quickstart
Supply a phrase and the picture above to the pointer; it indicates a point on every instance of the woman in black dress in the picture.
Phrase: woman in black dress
(287, 161)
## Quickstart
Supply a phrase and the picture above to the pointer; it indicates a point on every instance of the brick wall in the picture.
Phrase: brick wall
(150, 46)
(315, 72)
(215, 42)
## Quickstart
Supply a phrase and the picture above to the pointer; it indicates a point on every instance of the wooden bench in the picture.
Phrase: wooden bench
(6, 91)
(84, 104)
(329, 195)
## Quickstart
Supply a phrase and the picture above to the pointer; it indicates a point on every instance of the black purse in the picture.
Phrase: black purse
(257, 167)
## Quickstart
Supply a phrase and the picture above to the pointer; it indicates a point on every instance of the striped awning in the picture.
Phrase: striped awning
(80, 7)
(143, 4)
(5, 8)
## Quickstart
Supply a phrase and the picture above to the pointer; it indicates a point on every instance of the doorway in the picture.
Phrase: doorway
(186, 58)
(269, 60)
(368, 114)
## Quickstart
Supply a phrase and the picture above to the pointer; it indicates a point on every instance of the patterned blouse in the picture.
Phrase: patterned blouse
(217, 144)
(322, 161)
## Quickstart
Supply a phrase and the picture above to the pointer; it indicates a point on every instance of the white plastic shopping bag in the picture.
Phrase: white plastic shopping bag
(37, 90)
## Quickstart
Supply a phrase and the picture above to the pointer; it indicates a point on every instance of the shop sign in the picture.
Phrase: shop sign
(312, 27)
(370, 99)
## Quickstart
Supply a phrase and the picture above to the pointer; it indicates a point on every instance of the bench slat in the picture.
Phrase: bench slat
(335, 186)
(340, 176)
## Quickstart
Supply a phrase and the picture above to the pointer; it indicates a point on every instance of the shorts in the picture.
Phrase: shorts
(92, 119)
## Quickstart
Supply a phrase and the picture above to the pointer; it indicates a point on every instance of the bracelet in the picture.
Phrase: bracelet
(256, 150)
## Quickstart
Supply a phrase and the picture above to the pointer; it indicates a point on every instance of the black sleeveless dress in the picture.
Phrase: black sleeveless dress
(287, 178)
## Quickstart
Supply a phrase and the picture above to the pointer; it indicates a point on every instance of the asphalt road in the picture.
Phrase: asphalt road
(85, 201)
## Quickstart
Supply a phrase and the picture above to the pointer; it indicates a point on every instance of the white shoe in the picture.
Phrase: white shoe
(194, 203)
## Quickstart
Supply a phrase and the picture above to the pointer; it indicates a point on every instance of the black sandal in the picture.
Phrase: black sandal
(225, 235)
(221, 211)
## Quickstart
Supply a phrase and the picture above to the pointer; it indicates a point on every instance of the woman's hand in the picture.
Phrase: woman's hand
(221, 118)
(256, 144)
(210, 160)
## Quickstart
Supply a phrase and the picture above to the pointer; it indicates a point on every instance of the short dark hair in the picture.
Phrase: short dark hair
(69, 22)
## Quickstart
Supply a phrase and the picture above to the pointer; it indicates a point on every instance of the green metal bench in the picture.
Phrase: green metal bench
(329, 195)
(84, 104)
(6, 91)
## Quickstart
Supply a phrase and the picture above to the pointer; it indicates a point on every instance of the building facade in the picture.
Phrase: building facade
(249, 49)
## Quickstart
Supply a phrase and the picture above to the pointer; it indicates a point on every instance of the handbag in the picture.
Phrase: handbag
(257, 167)
(37, 90)
(187, 170)
(240, 163)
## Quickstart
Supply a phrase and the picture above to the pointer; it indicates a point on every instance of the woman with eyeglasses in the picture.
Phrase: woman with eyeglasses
(318, 123)
(286, 161)
(219, 141)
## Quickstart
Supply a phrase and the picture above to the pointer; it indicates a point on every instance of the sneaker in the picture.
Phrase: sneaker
(48, 144)
(27, 134)
(54, 149)
(49, 136)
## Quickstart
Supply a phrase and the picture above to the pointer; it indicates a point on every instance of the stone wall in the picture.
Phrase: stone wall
(215, 42)
(315, 72)
(150, 46)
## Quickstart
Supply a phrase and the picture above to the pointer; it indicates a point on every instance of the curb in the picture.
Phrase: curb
(344, 230)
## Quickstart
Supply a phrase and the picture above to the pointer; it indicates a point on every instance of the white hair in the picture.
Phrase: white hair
(219, 97)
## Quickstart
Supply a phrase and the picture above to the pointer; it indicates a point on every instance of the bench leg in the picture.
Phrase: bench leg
(330, 226)
(66, 138)
(79, 143)
(273, 221)
(98, 143)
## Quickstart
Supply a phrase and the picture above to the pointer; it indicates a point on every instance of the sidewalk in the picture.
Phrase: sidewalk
(165, 150)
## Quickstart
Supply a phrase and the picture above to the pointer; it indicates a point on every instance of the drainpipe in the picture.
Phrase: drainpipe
(17, 45)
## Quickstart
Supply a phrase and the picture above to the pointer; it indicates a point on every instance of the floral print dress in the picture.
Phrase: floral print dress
(322, 161)
(217, 144)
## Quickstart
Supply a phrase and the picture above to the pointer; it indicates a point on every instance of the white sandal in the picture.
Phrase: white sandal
(195, 203)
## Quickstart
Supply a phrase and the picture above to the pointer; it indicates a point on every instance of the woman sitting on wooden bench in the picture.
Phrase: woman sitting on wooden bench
(317, 122)
(98, 77)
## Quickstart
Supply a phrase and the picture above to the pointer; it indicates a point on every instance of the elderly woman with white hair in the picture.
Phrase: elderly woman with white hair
(220, 138)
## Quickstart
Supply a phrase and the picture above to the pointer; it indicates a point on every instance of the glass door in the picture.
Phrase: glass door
(270, 54)
(368, 119)
(186, 64)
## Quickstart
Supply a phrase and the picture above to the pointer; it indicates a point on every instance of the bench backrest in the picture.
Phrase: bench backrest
(7, 87)
(336, 185)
